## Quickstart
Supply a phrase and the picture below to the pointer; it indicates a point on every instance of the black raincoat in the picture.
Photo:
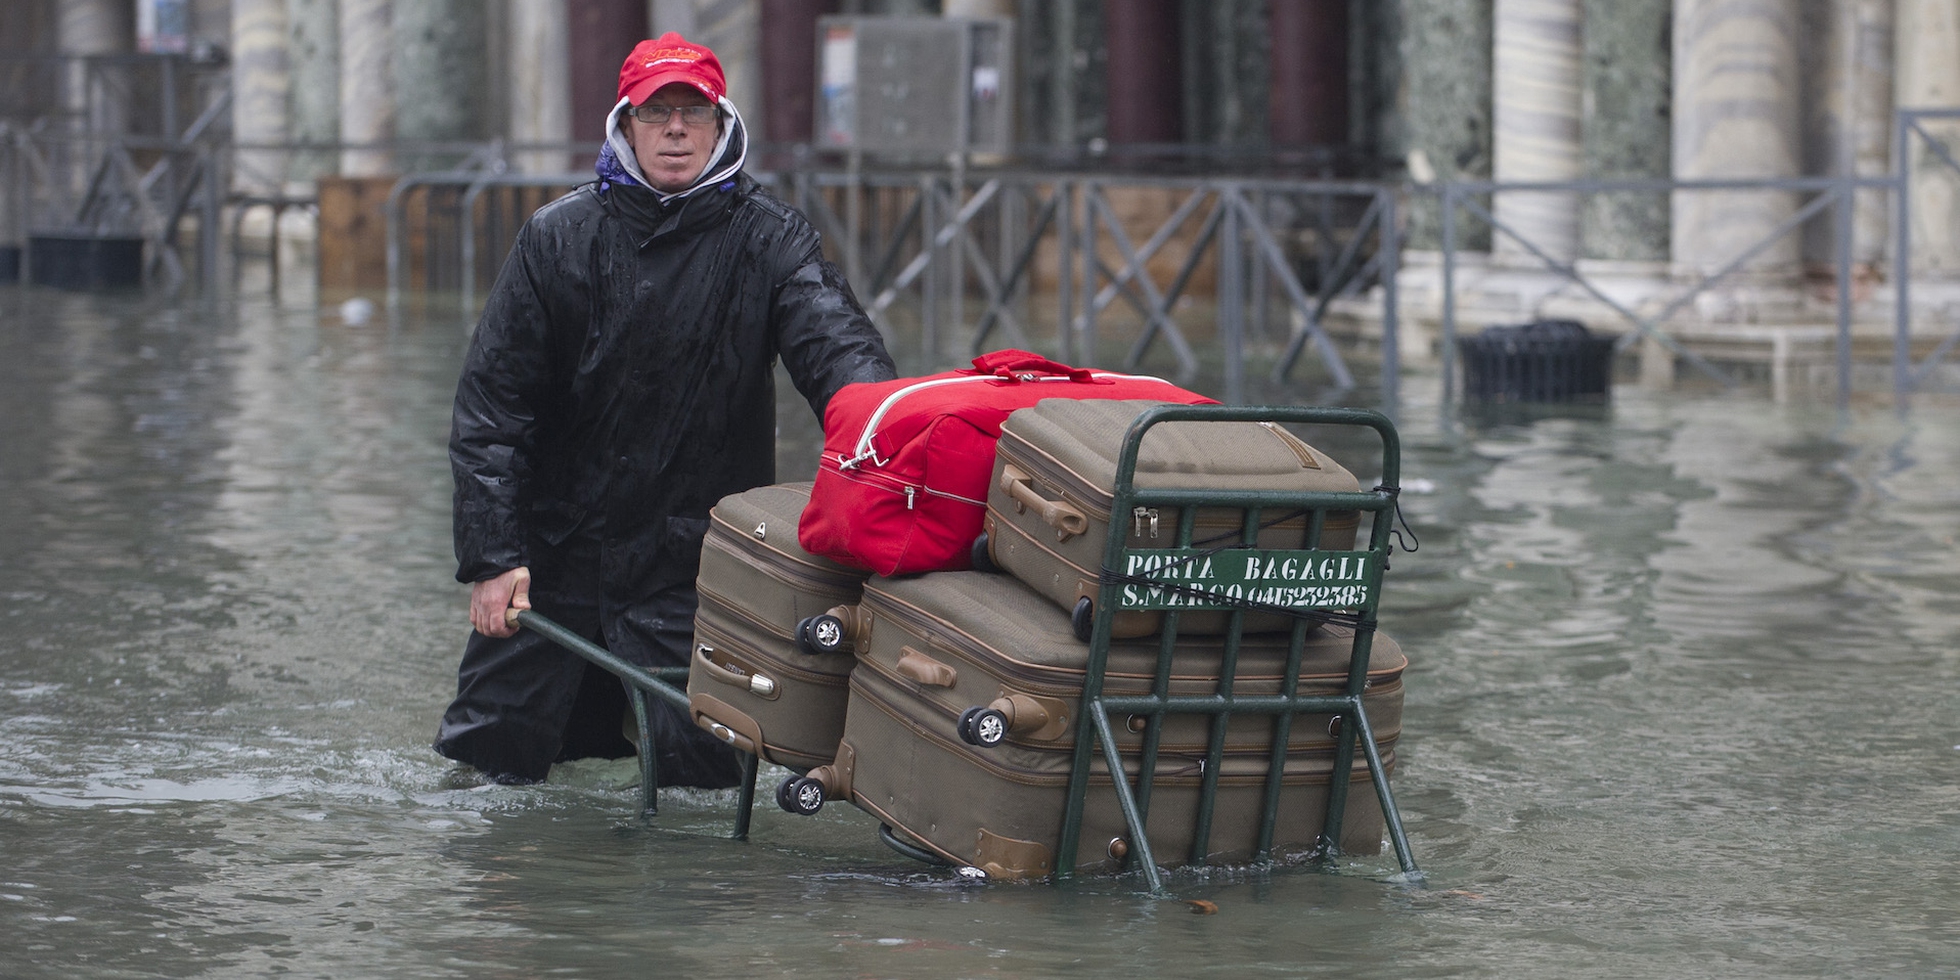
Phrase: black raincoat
(620, 382)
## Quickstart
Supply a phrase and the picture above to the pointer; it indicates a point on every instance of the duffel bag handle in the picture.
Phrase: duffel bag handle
(1065, 519)
(1011, 362)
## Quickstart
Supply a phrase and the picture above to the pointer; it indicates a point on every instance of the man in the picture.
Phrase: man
(620, 382)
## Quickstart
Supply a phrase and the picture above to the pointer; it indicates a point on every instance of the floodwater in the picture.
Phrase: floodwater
(1682, 704)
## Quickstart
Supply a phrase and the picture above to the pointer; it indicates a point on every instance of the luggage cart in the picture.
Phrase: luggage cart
(1314, 585)
(1345, 588)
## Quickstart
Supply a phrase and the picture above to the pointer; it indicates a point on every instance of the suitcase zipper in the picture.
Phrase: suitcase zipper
(864, 450)
(1384, 739)
(801, 576)
(1064, 682)
(862, 688)
(725, 638)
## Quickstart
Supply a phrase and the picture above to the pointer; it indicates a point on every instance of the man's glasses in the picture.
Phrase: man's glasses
(657, 115)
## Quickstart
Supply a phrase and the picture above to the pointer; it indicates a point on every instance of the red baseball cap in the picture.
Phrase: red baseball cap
(667, 59)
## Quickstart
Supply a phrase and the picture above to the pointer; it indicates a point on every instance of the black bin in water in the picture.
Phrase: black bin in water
(1546, 361)
(85, 261)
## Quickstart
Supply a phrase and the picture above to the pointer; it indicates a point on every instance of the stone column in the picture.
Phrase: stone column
(1446, 94)
(733, 31)
(92, 27)
(261, 90)
(1928, 69)
(1624, 127)
(1225, 52)
(1736, 90)
(313, 59)
(96, 26)
(1144, 81)
(540, 82)
(442, 84)
(602, 34)
(1859, 71)
(209, 20)
(1307, 97)
(367, 86)
(789, 68)
(1535, 102)
(1065, 57)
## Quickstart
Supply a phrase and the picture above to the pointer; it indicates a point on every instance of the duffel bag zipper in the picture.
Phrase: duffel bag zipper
(864, 450)
(890, 484)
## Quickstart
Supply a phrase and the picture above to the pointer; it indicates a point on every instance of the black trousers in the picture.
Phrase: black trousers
(524, 702)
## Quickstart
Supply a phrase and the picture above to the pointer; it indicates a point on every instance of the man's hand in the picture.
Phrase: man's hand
(494, 602)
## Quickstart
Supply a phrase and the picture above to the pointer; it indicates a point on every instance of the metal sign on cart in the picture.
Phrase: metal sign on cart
(1302, 581)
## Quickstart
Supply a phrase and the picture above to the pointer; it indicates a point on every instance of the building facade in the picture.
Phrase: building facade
(1420, 90)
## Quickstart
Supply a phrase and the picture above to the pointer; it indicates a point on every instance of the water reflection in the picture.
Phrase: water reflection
(1680, 704)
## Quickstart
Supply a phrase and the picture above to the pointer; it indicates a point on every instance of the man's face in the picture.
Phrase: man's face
(672, 154)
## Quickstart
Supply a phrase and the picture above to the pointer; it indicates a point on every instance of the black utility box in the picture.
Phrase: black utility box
(85, 261)
(1546, 361)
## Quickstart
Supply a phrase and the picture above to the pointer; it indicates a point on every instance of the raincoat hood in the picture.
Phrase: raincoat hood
(619, 165)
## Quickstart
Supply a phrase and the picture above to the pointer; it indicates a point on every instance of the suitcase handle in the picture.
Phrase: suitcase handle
(926, 670)
(755, 684)
(1019, 487)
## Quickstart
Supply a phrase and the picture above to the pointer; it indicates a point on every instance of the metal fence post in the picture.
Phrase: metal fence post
(1085, 325)
(1902, 266)
(1231, 297)
(207, 224)
(1847, 194)
(1449, 294)
(929, 319)
(1391, 245)
(1065, 269)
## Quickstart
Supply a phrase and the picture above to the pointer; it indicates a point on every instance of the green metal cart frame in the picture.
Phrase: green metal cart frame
(642, 683)
(1352, 597)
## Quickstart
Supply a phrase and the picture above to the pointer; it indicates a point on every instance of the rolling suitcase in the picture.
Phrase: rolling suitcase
(1048, 505)
(751, 682)
(962, 723)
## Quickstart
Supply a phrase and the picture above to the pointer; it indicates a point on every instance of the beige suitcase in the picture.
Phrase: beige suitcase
(962, 722)
(753, 682)
(1048, 506)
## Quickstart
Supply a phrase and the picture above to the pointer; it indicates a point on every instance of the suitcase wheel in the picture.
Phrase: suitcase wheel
(982, 726)
(1082, 619)
(983, 555)
(820, 634)
(800, 795)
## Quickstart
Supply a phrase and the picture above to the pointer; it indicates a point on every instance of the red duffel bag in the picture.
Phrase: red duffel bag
(902, 486)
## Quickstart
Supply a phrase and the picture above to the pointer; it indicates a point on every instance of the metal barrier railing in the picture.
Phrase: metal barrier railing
(1829, 192)
(934, 240)
(117, 195)
(1910, 124)
(959, 248)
